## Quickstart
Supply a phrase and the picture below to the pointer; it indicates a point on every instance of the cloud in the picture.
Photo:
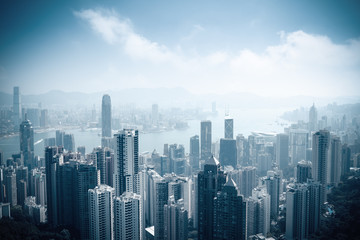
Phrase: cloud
(301, 64)
(116, 30)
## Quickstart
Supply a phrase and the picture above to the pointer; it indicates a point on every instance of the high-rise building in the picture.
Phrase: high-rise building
(106, 116)
(176, 220)
(228, 152)
(10, 186)
(241, 150)
(194, 152)
(27, 143)
(229, 213)
(22, 184)
(100, 163)
(126, 165)
(297, 213)
(272, 182)
(210, 181)
(128, 217)
(282, 150)
(298, 145)
(53, 159)
(258, 212)
(44, 118)
(205, 140)
(321, 151)
(345, 159)
(60, 138)
(303, 171)
(69, 142)
(247, 180)
(229, 128)
(334, 166)
(17, 108)
(302, 210)
(160, 199)
(101, 212)
(313, 118)
(86, 177)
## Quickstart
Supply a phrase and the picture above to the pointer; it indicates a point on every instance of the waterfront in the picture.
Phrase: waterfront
(245, 122)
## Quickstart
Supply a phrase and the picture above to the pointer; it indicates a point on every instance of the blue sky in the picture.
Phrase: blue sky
(271, 48)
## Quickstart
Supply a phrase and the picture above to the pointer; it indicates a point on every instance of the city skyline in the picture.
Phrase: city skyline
(266, 48)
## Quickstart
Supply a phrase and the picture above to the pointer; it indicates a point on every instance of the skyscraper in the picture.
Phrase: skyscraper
(106, 116)
(345, 159)
(282, 150)
(272, 182)
(298, 145)
(297, 212)
(69, 142)
(53, 159)
(176, 220)
(126, 165)
(210, 181)
(320, 151)
(60, 138)
(334, 166)
(194, 152)
(229, 213)
(302, 210)
(303, 171)
(205, 140)
(228, 152)
(128, 217)
(17, 108)
(258, 212)
(313, 118)
(86, 177)
(229, 128)
(27, 143)
(101, 212)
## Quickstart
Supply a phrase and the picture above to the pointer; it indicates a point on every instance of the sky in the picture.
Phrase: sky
(265, 47)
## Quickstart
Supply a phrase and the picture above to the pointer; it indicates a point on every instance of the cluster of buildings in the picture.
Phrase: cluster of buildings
(235, 188)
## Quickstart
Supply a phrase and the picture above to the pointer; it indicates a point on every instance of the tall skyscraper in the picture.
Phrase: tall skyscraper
(297, 212)
(160, 199)
(27, 143)
(320, 151)
(298, 145)
(176, 220)
(86, 177)
(345, 159)
(100, 163)
(17, 108)
(228, 152)
(258, 212)
(334, 166)
(106, 116)
(210, 181)
(229, 213)
(101, 212)
(205, 140)
(313, 118)
(126, 165)
(247, 180)
(282, 150)
(60, 138)
(128, 217)
(53, 159)
(229, 128)
(272, 182)
(69, 142)
(303, 171)
(302, 210)
(194, 152)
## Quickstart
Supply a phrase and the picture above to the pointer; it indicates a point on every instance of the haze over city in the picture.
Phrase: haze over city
(167, 120)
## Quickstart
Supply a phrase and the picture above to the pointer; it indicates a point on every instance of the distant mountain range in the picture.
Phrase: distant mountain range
(170, 97)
